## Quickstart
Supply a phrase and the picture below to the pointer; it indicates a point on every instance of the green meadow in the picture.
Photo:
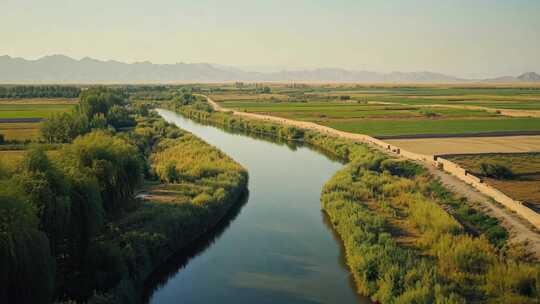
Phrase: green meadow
(457, 126)
(32, 110)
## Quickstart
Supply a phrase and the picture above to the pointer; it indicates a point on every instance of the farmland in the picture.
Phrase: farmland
(437, 127)
(398, 111)
(469, 145)
(34, 108)
(30, 110)
(524, 185)
(396, 203)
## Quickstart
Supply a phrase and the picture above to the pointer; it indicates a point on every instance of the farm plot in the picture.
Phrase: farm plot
(523, 182)
(19, 118)
(469, 145)
(20, 131)
(25, 110)
(437, 127)
(390, 120)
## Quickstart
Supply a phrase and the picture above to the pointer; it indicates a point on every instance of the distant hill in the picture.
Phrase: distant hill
(63, 69)
(525, 77)
(529, 77)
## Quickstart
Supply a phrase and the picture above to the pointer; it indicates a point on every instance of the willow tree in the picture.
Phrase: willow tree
(114, 163)
(26, 263)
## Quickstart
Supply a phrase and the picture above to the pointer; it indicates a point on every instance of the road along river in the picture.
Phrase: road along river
(277, 248)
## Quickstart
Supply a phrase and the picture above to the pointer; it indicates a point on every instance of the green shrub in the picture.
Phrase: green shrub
(495, 170)
(401, 168)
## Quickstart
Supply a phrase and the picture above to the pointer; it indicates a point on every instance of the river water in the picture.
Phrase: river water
(276, 247)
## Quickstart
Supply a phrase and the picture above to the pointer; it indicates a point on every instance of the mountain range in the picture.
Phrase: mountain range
(63, 69)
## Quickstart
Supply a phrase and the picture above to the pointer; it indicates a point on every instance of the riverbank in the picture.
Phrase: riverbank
(196, 187)
(409, 233)
(520, 221)
(280, 248)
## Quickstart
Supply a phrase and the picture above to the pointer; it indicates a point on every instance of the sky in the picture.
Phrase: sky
(468, 38)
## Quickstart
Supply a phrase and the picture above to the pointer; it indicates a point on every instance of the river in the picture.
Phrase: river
(277, 247)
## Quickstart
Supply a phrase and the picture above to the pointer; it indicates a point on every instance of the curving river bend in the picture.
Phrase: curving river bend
(277, 247)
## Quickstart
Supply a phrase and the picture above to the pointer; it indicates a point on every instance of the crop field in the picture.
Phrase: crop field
(35, 108)
(21, 131)
(390, 120)
(469, 145)
(436, 127)
(394, 111)
(524, 185)
(25, 110)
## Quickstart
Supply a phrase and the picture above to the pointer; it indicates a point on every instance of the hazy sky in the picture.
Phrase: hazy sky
(461, 37)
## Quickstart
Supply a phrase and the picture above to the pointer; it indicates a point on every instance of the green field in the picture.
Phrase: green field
(29, 108)
(341, 110)
(457, 126)
(32, 110)
(394, 111)
(524, 185)
(492, 97)
(389, 120)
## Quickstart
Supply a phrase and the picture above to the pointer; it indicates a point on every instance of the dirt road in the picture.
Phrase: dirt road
(504, 112)
(519, 229)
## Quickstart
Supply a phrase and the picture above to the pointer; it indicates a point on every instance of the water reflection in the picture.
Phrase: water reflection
(278, 249)
(177, 262)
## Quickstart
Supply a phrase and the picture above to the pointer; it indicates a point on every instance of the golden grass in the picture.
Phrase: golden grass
(20, 130)
(469, 145)
(10, 158)
(165, 194)
(525, 186)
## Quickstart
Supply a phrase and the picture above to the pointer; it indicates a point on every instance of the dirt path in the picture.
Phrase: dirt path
(520, 230)
(504, 112)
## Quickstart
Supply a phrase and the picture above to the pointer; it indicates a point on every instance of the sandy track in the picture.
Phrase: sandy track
(504, 112)
(519, 229)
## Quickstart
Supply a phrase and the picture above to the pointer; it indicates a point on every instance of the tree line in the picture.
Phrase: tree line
(98, 108)
(39, 91)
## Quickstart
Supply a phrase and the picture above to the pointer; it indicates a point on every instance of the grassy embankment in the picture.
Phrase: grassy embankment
(199, 184)
(401, 242)
(523, 182)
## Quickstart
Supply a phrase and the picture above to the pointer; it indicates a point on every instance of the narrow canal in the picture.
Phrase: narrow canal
(277, 247)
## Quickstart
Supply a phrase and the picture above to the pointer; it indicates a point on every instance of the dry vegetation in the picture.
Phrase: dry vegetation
(524, 185)
(469, 145)
(20, 131)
